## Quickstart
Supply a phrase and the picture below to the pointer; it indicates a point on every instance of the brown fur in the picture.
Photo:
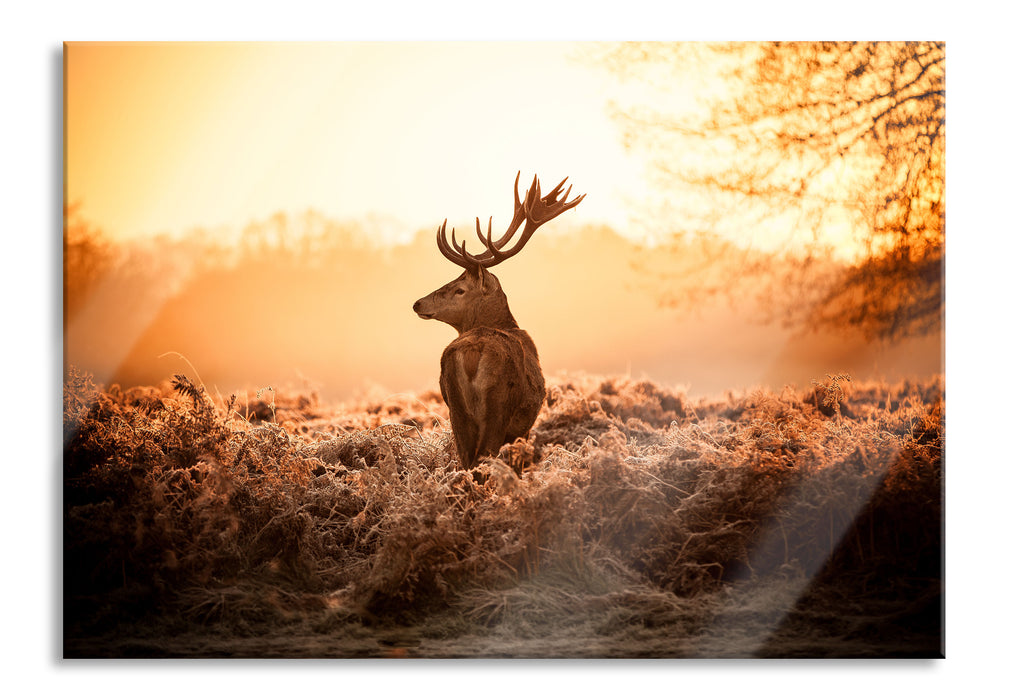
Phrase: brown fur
(490, 375)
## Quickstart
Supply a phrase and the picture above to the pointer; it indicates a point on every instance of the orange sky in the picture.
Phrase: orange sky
(162, 138)
(167, 137)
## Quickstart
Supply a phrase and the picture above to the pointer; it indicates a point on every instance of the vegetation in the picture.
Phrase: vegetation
(87, 258)
(805, 138)
(645, 524)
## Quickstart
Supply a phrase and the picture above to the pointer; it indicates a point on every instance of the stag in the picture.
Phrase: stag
(490, 375)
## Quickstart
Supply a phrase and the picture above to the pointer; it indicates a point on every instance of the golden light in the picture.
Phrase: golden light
(170, 137)
(386, 140)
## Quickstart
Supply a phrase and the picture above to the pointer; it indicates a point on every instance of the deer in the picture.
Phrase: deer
(491, 377)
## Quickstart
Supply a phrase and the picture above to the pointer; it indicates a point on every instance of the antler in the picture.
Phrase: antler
(534, 211)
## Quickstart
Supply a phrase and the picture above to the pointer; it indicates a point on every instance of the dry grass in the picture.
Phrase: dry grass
(639, 512)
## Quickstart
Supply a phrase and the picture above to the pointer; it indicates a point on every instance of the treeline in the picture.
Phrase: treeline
(309, 302)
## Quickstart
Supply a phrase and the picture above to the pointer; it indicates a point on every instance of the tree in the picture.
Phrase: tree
(87, 257)
(824, 143)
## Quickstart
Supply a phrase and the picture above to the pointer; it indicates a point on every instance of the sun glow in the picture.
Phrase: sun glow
(297, 148)
(170, 137)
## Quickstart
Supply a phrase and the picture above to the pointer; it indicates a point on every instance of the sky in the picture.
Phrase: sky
(167, 138)
(164, 138)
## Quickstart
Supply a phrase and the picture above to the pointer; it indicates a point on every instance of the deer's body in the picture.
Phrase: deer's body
(494, 388)
(490, 375)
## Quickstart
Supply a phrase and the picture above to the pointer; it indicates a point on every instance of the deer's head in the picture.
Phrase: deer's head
(475, 298)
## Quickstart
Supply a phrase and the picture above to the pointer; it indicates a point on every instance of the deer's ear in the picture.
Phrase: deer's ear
(481, 275)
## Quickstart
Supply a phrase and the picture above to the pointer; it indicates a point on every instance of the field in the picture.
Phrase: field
(801, 523)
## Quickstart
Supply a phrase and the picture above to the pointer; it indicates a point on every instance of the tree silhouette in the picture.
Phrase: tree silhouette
(827, 141)
(87, 257)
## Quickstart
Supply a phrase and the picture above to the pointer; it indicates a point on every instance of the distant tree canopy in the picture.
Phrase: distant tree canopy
(830, 141)
(87, 257)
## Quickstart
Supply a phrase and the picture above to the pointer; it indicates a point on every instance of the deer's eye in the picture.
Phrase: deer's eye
(460, 291)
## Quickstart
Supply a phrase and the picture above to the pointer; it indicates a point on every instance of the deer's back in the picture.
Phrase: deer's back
(502, 365)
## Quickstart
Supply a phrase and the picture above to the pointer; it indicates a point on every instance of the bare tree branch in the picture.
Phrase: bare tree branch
(796, 130)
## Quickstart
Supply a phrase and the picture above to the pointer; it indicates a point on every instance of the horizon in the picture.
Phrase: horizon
(335, 315)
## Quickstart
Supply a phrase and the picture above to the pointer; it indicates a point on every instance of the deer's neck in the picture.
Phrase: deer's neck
(494, 313)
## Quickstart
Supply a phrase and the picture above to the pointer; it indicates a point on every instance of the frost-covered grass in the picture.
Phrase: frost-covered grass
(645, 523)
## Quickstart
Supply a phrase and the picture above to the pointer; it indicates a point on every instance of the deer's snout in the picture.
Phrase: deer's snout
(418, 307)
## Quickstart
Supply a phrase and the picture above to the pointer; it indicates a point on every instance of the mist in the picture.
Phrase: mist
(331, 313)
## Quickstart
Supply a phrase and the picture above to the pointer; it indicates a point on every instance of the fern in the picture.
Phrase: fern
(831, 394)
